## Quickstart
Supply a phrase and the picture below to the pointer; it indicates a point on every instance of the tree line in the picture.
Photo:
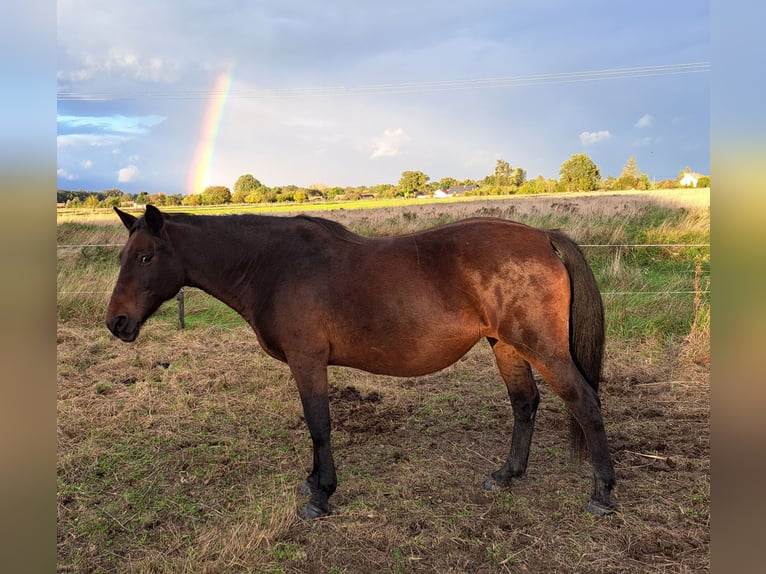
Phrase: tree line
(578, 173)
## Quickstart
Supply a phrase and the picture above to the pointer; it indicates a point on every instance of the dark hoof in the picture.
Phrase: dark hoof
(492, 484)
(599, 508)
(500, 479)
(311, 511)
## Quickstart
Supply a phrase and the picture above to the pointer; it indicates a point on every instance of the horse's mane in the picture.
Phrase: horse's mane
(338, 230)
(333, 227)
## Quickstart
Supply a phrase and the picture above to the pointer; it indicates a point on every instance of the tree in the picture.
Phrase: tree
(383, 190)
(610, 183)
(254, 197)
(158, 199)
(91, 202)
(518, 176)
(244, 186)
(192, 199)
(505, 180)
(142, 198)
(579, 173)
(629, 178)
(411, 183)
(447, 182)
(537, 185)
(216, 195)
(114, 192)
(553, 186)
(111, 201)
(502, 172)
(667, 184)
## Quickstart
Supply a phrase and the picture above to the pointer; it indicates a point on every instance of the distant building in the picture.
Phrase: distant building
(690, 179)
(451, 192)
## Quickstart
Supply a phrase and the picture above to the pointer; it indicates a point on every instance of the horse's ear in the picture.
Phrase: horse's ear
(153, 218)
(127, 219)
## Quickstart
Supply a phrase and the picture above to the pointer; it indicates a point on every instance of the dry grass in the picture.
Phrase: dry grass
(194, 467)
(183, 451)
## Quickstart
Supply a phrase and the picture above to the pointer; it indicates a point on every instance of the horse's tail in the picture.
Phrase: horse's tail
(586, 323)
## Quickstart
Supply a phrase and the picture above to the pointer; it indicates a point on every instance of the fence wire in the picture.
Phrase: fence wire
(589, 245)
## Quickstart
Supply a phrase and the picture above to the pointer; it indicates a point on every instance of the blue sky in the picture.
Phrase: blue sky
(351, 93)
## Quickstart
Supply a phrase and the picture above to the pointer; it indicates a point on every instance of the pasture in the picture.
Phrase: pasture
(183, 452)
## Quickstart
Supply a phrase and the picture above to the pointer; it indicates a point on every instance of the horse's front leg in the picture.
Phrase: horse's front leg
(311, 377)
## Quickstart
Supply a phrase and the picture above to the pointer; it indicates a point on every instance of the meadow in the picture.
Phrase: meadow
(183, 451)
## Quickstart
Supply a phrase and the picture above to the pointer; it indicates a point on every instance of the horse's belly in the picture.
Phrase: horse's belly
(402, 357)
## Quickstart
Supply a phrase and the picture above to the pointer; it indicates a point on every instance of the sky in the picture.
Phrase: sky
(174, 96)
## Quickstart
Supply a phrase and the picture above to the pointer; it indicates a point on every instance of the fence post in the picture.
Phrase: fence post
(180, 298)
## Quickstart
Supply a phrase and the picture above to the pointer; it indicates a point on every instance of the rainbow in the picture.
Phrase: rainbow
(199, 174)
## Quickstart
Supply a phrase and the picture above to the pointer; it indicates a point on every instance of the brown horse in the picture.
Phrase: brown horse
(316, 295)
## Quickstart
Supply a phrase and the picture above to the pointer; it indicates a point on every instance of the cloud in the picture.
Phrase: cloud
(64, 174)
(115, 124)
(389, 144)
(309, 123)
(127, 174)
(590, 138)
(88, 140)
(122, 62)
(645, 121)
(87, 164)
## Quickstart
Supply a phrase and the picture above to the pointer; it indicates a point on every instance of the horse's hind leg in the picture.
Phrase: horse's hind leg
(525, 397)
(566, 380)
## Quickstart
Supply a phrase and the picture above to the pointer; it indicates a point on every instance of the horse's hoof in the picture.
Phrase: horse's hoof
(497, 481)
(599, 508)
(491, 484)
(311, 511)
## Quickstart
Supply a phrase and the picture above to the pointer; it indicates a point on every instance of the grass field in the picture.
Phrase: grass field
(183, 451)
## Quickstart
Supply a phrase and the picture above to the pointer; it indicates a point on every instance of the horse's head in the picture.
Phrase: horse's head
(150, 273)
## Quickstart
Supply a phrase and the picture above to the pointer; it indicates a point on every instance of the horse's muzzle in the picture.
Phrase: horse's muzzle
(121, 326)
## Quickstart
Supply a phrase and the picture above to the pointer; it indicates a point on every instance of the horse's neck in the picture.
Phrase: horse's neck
(221, 262)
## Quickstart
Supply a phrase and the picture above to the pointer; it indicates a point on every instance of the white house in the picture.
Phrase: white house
(690, 179)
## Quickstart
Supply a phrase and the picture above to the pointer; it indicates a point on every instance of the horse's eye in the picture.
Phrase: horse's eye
(146, 259)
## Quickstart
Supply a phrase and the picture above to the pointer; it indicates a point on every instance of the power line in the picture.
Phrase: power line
(403, 87)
